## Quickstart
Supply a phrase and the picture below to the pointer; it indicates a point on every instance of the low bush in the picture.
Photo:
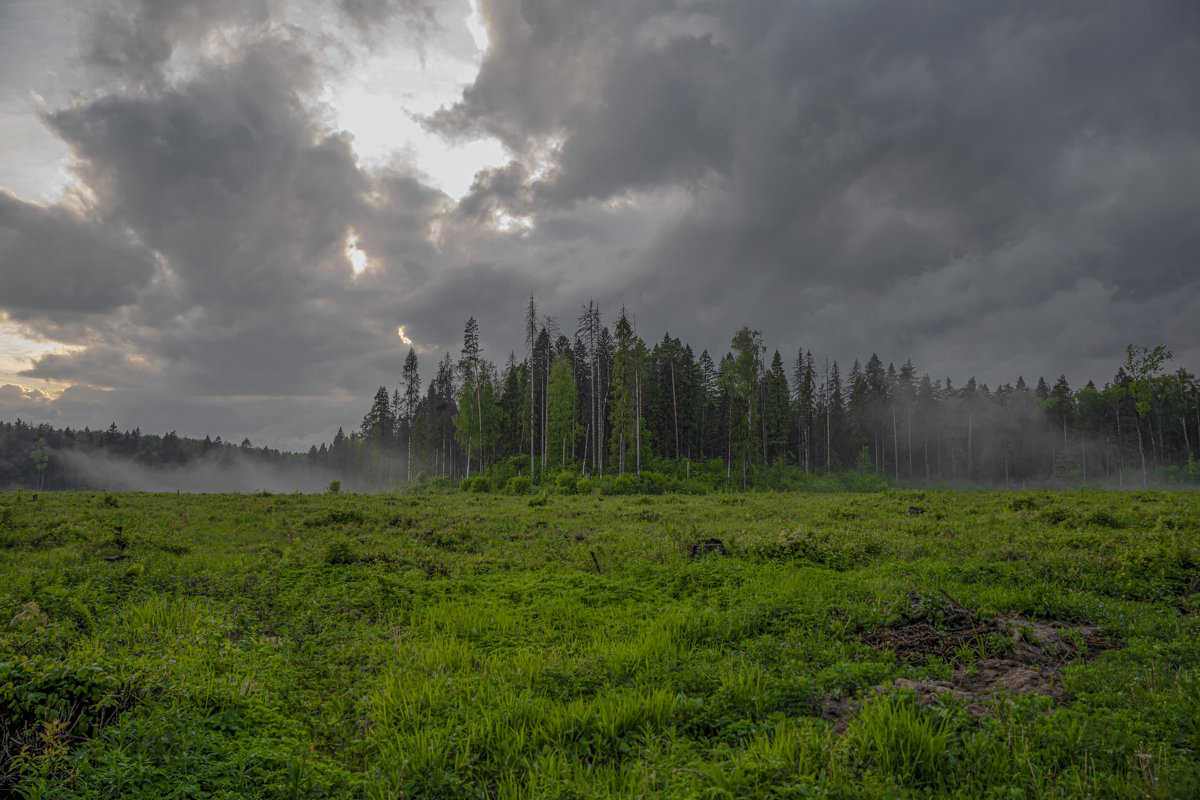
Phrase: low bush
(518, 485)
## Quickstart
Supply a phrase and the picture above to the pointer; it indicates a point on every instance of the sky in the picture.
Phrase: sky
(216, 215)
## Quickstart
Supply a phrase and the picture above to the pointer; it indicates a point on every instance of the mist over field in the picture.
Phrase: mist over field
(219, 473)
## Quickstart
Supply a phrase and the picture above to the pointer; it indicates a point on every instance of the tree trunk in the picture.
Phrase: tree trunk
(587, 438)
(545, 412)
(479, 410)
(674, 410)
(908, 443)
(895, 443)
(1120, 450)
(1142, 452)
(970, 446)
(637, 420)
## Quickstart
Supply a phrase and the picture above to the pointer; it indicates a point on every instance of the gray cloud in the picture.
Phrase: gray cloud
(59, 259)
(989, 190)
(135, 39)
(959, 161)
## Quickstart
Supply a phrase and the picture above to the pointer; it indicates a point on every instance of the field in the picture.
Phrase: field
(901, 644)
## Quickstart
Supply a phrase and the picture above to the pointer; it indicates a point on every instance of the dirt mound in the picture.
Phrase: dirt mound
(997, 656)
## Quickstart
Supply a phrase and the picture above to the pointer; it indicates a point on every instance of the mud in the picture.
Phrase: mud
(1006, 655)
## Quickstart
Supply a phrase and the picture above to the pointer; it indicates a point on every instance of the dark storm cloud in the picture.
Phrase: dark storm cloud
(227, 176)
(989, 189)
(931, 171)
(230, 178)
(57, 259)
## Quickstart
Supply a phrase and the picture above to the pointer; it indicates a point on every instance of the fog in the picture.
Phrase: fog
(222, 472)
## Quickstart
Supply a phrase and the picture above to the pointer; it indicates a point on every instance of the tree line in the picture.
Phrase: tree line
(596, 402)
(40, 456)
(599, 407)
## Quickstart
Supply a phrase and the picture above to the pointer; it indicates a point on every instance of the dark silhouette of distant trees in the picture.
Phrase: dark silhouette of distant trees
(41, 456)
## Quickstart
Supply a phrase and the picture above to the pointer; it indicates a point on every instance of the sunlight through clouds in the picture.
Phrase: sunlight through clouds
(358, 259)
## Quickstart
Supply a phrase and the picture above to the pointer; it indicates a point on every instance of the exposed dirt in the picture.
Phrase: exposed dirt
(1012, 655)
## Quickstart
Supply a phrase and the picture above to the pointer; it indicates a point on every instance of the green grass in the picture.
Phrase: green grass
(466, 645)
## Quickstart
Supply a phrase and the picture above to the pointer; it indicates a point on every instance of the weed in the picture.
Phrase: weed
(340, 552)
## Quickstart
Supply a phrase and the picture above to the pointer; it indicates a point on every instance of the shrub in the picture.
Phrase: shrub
(1104, 519)
(338, 516)
(40, 690)
(622, 484)
(1055, 516)
(339, 553)
(657, 483)
(567, 483)
(480, 484)
(518, 485)
(335, 487)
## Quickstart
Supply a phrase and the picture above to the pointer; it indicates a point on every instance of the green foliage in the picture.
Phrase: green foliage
(39, 690)
(488, 645)
(566, 483)
(338, 516)
(518, 485)
(340, 552)
(1143, 363)
(913, 745)
(335, 487)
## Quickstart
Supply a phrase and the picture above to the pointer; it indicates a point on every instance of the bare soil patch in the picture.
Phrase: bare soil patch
(1014, 656)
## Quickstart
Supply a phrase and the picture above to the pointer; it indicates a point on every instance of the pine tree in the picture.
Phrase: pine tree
(408, 404)
(776, 414)
(377, 431)
(469, 369)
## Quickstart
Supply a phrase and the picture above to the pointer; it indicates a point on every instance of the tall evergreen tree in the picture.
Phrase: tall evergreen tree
(377, 432)
(469, 366)
(776, 414)
(408, 404)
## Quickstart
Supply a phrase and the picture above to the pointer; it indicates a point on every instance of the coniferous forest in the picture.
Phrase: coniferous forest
(600, 408)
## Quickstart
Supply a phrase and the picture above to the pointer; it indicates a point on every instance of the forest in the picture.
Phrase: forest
(605, 403)
(603, 409)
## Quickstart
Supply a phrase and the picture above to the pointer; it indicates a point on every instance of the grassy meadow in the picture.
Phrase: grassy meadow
(899, 644)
